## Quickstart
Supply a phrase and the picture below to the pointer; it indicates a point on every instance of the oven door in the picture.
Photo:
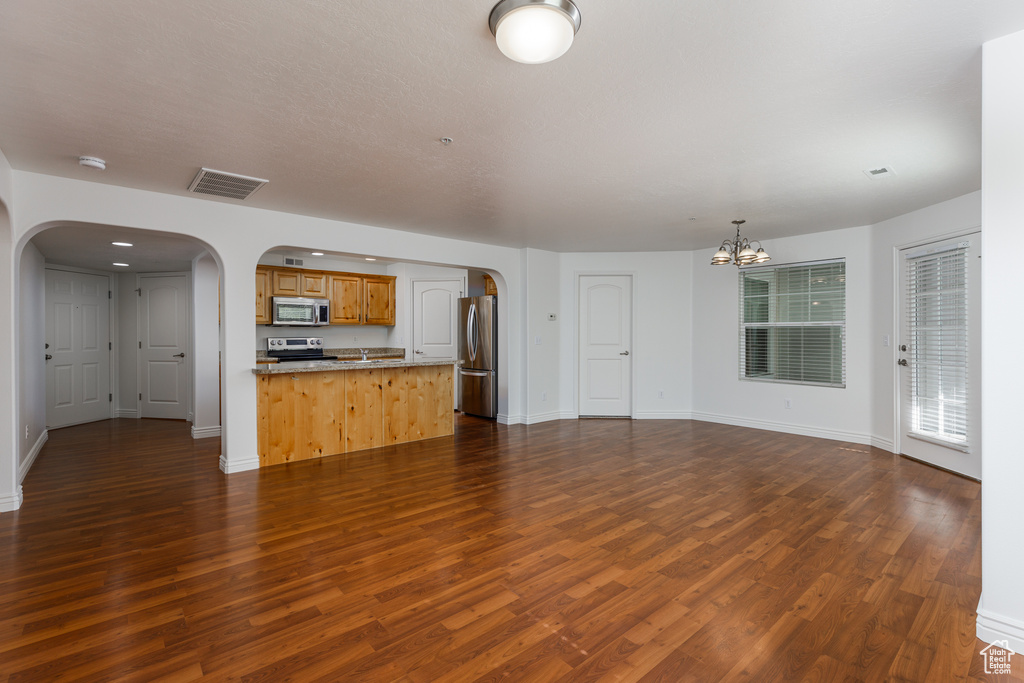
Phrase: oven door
(295, 311)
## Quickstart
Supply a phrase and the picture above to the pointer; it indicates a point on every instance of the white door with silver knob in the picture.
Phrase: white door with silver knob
(164, 336)
(605, 336)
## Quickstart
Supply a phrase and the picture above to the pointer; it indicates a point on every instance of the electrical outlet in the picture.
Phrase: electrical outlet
(661, 394)
(355, 339)
(885, 340)
(536, 340)
(788, 403)
(543, 395)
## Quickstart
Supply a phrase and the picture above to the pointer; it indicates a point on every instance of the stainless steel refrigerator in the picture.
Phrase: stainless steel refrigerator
(478, 350)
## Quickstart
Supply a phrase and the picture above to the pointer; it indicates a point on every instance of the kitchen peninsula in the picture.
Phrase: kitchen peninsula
(321, 408)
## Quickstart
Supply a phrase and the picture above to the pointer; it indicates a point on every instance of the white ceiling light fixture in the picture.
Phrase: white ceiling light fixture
(534, 31)
(122, 244)
(316, 253)
(121, 265)
(92, 162)
(741, 251)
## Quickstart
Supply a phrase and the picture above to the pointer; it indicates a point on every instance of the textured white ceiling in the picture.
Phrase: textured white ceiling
(89, 246)
(767, 110)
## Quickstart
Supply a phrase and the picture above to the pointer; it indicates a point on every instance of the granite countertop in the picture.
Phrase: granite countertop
(325, 365)
(349, 354)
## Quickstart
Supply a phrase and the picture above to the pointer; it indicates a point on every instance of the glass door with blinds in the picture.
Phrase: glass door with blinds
(938, 354)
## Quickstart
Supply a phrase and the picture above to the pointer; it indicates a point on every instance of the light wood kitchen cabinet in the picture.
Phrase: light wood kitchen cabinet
(363, 421)
(356, 298)
(300, 416)
(305, 415)
(263, 314)
(310, 283)
(379, 300)
(346, 299)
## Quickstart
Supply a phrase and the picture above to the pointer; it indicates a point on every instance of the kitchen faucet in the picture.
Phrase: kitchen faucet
(363, 351)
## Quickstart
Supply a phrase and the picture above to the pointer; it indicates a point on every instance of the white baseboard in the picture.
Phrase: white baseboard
(992, 627)
(232, 466)
(548, 417)
(509, 419)
(24, 467)
(802, 430)
(884, 444)
(124, 412)
(663, 415)
(11, 502)
(205, 432)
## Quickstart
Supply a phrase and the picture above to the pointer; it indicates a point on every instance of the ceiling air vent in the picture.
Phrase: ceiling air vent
(879, 172)
(223, 184)
(288, 261)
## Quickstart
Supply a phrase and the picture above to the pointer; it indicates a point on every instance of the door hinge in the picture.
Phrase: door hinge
(110, 346)
(110, 398)
(140, 345)
(139, 291)
(140, 397)
(110, 294)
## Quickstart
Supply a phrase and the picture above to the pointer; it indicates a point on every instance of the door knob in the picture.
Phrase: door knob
(903, 347)
(624, 353)
(902, 361)
(419, 352)
(48, 356)
(179, 355)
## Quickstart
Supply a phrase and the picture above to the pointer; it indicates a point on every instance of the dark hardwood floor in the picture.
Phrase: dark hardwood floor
(575, 551)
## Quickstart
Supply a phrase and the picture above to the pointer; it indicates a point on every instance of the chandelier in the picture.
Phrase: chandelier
(741, 251)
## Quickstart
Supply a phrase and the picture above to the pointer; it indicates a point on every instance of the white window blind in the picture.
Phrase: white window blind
(937, 344)
(793, 323)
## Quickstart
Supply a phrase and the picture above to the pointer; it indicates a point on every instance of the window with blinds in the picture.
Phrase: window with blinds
(936, 321)
(793, 323)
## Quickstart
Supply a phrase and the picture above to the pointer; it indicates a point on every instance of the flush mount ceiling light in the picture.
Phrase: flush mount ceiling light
(741, 251)
(122, 244)
(534, 31)
(316, 253)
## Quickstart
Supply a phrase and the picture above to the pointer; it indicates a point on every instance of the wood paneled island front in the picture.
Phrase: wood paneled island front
(310, 410)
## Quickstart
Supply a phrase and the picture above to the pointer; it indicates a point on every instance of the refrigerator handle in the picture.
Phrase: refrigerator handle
(471, 332)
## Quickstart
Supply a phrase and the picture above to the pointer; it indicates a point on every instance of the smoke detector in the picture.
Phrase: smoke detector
(92, 162)
(224, 184)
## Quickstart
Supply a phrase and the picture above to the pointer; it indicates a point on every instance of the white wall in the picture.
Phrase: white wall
(927, 225)
(205, 347)
(719, 394)
(661, 351)
(10, 486)
(127, 359)
(542, 279)
(1001, 610)
(32, 369)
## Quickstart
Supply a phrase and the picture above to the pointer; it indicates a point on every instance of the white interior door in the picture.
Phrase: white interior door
(164, 346)
(605, 338)
(435, 319)
(939, 354)
(78, 348)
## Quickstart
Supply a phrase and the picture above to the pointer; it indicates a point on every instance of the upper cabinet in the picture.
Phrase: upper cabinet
(311, 283)
(379, 299)
(489, 286)
(263, 277)
(346, 299)
(356, 298)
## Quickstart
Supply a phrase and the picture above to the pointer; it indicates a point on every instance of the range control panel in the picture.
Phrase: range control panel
(294, 343)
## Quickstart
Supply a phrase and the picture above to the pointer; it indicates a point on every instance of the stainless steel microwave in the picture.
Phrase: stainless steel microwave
(301, 312)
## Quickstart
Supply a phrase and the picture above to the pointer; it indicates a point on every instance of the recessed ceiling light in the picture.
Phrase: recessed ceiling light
(370, 259)
(317, 253)
(123, 265)
(122, 244)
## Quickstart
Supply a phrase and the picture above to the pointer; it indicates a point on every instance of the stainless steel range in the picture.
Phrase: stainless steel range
(297, 349)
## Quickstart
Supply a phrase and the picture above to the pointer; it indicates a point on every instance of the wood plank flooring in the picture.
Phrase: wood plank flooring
(566, 551)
